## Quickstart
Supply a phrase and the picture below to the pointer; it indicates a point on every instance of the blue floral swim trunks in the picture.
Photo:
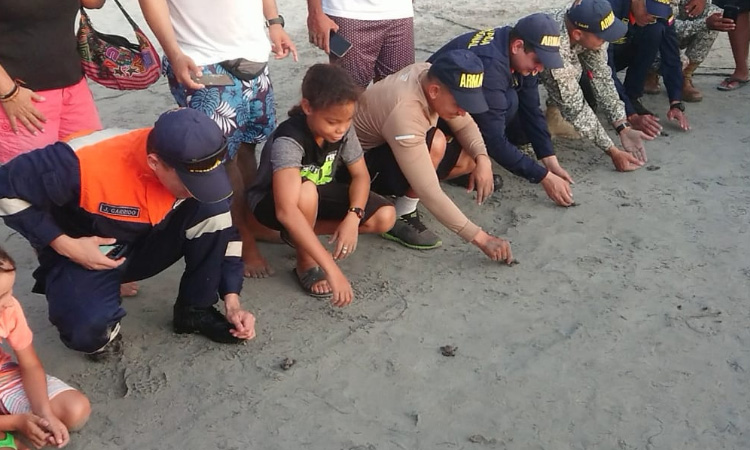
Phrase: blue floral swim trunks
(245, 111)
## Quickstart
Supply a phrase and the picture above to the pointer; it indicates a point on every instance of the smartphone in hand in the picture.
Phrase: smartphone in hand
(338, 45)
(114, 251)
(214, 79)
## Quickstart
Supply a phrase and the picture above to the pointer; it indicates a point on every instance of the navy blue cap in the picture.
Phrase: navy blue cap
(596, 16)
(543, 33)
(659, 8)
(194, 145)
(463, 73)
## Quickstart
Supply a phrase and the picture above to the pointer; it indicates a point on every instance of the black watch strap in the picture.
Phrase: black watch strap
(358, 211)
(622, 126)
(275, 21)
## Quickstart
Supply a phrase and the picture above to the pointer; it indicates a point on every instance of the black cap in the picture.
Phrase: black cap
(194, 145)
(596, 16)
(543, 33)
(463, 73)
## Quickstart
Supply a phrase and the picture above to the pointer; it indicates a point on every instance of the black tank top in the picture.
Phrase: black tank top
(38, 42)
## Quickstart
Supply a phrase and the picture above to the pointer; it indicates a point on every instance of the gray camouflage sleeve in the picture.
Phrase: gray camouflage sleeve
(564, 90)
(685, 26)
(604, 88)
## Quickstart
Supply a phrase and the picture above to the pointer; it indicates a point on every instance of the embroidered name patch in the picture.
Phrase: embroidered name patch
(117, 210)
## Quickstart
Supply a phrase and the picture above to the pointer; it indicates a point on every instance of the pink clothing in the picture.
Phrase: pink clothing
(14, 328)
(68, 110)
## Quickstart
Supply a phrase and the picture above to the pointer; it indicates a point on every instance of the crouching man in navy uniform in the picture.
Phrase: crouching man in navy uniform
(650, 31)
(160, 192)
(512, 58)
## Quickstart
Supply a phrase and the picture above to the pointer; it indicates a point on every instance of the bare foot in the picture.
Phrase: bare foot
(257, 267)
(129, 289)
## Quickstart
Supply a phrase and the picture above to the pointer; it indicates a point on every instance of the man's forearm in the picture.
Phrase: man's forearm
(270, 10)
(156, 13)
(314, 7)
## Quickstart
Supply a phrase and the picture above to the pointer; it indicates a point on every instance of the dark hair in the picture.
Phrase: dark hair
(6, 258)
(326, 85)
(514, 36)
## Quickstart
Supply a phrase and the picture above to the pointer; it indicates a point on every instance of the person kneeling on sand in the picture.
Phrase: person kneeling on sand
(585, 28)
(295, 191)
(395, 123)
(512, 58)
(651, 32)
(38, 407)
(154, 195)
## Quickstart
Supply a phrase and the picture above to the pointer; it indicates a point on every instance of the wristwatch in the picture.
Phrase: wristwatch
(275, 21)
(358, 211)
(622, 126)
(678, 105)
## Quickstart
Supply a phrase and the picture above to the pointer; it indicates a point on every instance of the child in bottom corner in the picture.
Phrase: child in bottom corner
(296, 192)
(37, 407)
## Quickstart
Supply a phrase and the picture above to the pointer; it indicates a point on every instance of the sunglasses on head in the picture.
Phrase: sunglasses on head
(205, 164)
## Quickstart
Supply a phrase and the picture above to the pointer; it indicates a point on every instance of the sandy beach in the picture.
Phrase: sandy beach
(624, 325)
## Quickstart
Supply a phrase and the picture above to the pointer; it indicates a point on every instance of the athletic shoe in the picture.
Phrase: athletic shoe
(112, 349)
(409, 231)
(206, 321)
(463, 181)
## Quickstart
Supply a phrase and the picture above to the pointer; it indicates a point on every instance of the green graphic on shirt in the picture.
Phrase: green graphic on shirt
(320, 175)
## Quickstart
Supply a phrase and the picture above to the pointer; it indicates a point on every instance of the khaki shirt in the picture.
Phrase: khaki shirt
(395, 111)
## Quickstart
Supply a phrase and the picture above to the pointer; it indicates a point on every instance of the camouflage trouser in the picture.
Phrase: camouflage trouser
(696, 44)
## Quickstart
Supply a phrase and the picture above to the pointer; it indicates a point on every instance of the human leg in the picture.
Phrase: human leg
(408, 229)
(13, 144)
(333, 206)
(84, 305)
(366, 37)
(68, 404)
(246, 113)
(397, 50)
(739, 39)
(78, 111)
(72, 408)
(697, 46)
(645, 44)
(241, 172)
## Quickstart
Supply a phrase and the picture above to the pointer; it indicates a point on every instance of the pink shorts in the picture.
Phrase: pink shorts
(68, 110)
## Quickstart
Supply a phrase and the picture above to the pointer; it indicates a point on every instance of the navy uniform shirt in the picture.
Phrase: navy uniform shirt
(507, 94)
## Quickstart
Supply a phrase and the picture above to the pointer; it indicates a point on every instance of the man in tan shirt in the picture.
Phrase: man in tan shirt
(395, 123)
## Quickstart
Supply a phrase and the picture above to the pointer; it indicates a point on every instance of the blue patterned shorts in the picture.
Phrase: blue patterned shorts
(245, 111)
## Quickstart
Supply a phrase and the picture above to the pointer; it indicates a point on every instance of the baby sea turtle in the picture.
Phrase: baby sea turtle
(448, 350)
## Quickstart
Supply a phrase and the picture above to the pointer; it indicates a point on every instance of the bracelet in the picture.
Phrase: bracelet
(10, 95)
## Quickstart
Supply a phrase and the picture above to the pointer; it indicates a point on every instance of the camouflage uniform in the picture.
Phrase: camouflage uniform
(694, 35)
(564, 90)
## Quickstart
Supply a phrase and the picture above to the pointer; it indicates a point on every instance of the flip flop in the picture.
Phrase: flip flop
(309, 278)
(725, 85)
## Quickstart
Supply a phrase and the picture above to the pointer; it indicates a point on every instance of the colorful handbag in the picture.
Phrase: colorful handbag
(113, 61)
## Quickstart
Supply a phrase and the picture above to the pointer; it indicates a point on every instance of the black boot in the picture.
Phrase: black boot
(207, 321)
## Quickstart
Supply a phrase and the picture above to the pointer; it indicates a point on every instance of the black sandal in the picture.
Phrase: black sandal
(307, 279)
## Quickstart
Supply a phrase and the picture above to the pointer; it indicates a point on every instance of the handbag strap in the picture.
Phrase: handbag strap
(127, 16)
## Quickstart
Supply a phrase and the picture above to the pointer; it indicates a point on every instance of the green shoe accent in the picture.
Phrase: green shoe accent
(410, 232)
(393, 238)
(8, 441)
